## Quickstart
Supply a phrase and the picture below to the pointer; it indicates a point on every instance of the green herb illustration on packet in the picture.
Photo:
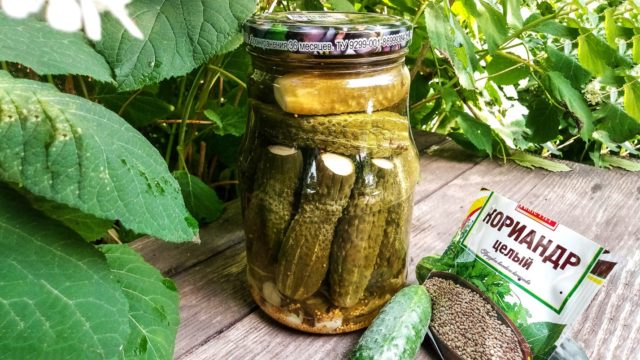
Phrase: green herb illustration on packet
(541, 274)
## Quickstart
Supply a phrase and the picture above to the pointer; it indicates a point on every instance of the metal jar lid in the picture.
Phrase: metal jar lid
(327, 33)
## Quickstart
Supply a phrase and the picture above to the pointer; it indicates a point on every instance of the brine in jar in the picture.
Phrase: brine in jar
(328, 167)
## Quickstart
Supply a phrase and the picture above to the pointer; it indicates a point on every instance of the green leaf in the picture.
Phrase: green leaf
(512, 12)
(36, 45)
(229, 120)
(542, 335)
(552, 27)
(201, 200)
(477, 132)
(603, 137)
(153, 304)
(428, 264)
(632, 99)
(568, 67)
(447, 36)
(597, 56)
(180, 35)
(532, 161)
(563, 91)
(610, 29)
(311, 5)
(490, 21)
(75, 152)
(609, 161)
(543, 121)
(87, 226)
(636, 49)
(504, 70)
(57, 297)
(341, 5)
(238, 63)
(139, 110)
(617, 123)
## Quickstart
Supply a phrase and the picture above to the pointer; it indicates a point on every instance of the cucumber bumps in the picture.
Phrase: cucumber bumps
(304, 255)
(360, 232)
(397, 332)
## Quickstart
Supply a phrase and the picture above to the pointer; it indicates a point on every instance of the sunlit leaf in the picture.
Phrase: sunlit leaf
(569, 67)
(532, 161)
(478, 133)
(632, 99)
(452, 42)
(563, 91)
(617, 123)
(504, 70)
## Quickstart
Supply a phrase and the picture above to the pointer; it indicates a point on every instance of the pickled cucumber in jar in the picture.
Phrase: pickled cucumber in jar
(328, 166)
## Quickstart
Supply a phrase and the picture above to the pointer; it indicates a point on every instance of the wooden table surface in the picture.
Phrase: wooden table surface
(219, 319)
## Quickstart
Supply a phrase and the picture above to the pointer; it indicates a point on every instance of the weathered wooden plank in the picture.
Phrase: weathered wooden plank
(172, 258)
(441, 164)
(213, 297)
(259, 337)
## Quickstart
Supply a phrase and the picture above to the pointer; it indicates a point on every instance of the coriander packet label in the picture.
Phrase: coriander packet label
(540, 273)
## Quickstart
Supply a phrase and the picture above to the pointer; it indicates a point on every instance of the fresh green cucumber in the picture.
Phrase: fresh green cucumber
(398, 330)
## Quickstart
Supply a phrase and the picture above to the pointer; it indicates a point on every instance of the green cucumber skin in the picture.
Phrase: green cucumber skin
(399, 329)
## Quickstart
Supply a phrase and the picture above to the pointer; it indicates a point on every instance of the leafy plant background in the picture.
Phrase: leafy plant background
(102, 142)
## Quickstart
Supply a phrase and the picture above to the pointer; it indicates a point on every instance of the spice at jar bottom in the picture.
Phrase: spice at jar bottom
(468, 324)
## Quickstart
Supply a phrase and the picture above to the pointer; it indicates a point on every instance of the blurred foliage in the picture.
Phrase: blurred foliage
(515, 80)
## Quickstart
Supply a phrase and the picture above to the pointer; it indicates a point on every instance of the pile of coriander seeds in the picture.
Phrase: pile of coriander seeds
(468, 324)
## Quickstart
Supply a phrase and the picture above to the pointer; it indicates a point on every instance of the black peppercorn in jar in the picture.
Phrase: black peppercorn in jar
(328, 166)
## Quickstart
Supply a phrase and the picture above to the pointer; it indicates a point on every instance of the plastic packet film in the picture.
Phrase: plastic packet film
(542, 274)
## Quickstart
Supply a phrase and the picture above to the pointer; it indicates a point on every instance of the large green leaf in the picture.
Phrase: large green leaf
(568, 67)
(597, 56)
(228, 119)
(153, 304)
(609, 161)
(543, 121)
(57, 297)
(635, 52)
(34, 44)
(512, 12)
(179, 36)
(478, 133)
(201, 200)
(87, 226)
(551, 27)
(505, 70)
(610, 28)
(446, 36)
(617, 123)
(75, 152)
(491, 22)
(532, 161)
(563, 91)
(632, 99)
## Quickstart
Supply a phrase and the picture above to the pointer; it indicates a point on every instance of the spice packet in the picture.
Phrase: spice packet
(541, 274)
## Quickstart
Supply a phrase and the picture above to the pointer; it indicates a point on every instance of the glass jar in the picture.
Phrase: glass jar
(328, 166)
